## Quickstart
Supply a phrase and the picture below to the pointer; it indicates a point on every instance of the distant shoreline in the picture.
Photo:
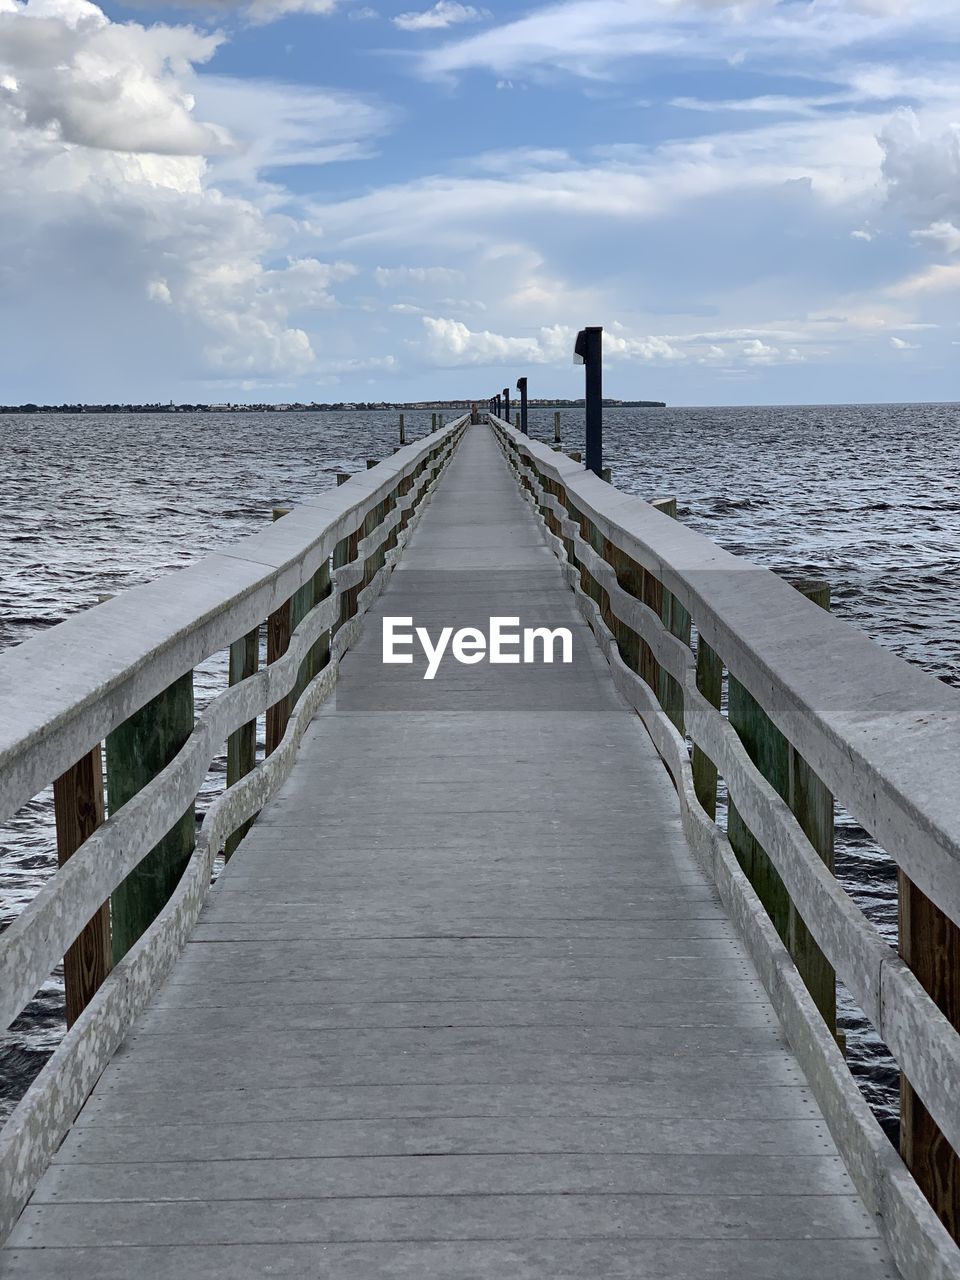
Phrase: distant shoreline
(343, 407)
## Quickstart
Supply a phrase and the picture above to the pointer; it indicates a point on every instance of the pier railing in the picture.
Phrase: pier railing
(130, 885)
(815, 712)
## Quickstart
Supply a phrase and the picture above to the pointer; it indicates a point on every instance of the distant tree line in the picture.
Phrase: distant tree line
(338, 406)
(607, 404)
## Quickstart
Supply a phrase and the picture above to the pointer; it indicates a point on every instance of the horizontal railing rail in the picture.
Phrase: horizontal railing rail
(98, 673)
(816, 711)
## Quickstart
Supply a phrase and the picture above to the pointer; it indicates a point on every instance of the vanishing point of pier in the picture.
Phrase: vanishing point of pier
(482, 989)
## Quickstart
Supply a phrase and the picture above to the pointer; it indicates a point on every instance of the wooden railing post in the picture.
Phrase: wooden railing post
(630, 577)
(403, 437)
(301, 602)
(279, 627)
(242, 745)
(677, 621)
(556, 427)
(930, 945)
(811, 802)
(710, 684)
(79, 810)
(320, 653)
(136, 752)
(652, 597)
(770, 752)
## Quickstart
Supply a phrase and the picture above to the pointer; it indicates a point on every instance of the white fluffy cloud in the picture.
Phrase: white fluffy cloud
(940, 235)
(922, 167)
(449, 343)
(70, 74)
(445, 13)
(107, 187)
(452, 344)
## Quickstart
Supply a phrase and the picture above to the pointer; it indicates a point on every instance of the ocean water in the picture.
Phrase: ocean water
(865, 497)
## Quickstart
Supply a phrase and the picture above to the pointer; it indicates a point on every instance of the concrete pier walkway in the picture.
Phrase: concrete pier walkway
(462, 1005)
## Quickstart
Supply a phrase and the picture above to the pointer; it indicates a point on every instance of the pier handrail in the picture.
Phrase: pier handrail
(68, 688)
(672, 610)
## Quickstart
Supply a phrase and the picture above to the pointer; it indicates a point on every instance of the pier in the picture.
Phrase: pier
(481, 988)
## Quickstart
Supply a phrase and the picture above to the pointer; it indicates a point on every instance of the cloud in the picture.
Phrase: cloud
(921, 168)
(591, 38)
(68, 72)
(450, 343)
(937, 279)
(899, 344)
(107, 185)
(275, 124)
(387, 276)
(264, 11)
(942, 235)
(837, 161)
(248, 308)
(257, 12)
(445, 13)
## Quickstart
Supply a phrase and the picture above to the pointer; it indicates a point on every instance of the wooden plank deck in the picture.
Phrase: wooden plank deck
(462, 1005)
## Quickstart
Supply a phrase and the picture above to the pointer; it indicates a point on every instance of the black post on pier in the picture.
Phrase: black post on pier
(522, 388)
(589, 352)
(506, 404)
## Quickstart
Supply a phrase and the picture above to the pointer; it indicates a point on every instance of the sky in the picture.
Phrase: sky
(276, 200)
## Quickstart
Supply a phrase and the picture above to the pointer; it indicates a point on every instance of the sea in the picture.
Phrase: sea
(865, 497)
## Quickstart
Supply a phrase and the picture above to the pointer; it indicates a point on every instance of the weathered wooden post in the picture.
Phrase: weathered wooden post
(769, 751)
(556, 426)
(79, 810)
(433, 422)
(575, 455)
(403, 438)
(136, 752)
(300, 605)
(372, 462)
(242, 745)
(930, 945)
(677, 621)
(342, 478)
(810, 801)
(279, 627)
(320, 653)
(710, 684)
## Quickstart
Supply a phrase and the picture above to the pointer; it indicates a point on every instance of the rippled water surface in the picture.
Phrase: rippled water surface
(866, 497)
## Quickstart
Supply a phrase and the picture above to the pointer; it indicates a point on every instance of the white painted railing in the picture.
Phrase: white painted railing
(883, 736)
(65, 690)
